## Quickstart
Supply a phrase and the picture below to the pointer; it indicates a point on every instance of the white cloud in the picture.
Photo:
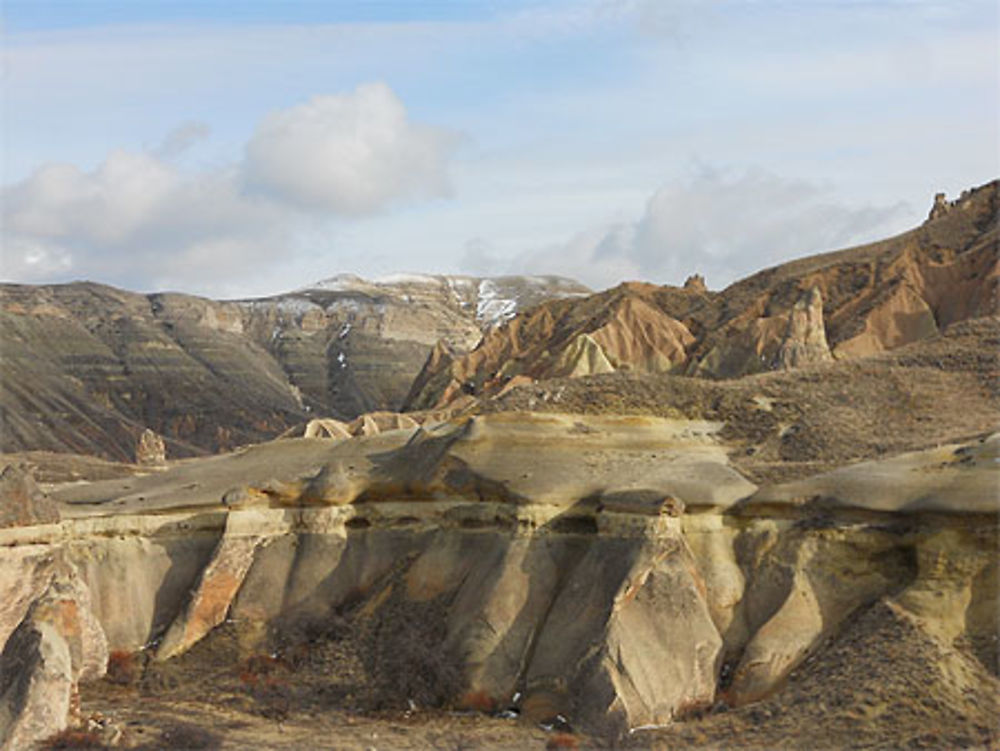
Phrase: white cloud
(352, 154)
(723, 224)
(107, 205)
(136, 221)
(182, 138)
(139, 221)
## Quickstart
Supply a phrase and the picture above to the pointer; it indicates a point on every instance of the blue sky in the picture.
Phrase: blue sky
(246, 148)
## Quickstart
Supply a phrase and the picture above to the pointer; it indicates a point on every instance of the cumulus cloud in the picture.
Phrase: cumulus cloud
(721, 223)
(181, 138)
(351, 154)
(136, 221)
(139, 221)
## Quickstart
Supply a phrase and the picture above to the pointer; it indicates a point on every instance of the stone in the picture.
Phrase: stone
(805, 339)
(695, 283)
(36, 685)
(940, 207)
(22, 503)
(150, 450)
(58, 644)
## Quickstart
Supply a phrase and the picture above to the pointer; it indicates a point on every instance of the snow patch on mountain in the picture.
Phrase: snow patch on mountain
(495, 300)
(492, 308)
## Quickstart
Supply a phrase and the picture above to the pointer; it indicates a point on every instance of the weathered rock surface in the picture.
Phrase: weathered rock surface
(21, 500)
(585, 550)
(150, 449)
(370, 423)
(613, 570)
(57, 644)
(622, 329)
(805, 340)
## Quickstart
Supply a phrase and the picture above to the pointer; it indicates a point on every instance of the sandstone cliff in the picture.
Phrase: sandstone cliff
(614, 572)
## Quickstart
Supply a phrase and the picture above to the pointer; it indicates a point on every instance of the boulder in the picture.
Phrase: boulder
(57, 644)
(150, 449)
(22, 503)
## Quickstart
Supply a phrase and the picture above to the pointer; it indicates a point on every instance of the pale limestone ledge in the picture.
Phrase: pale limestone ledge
(950, 479)
(335, 519)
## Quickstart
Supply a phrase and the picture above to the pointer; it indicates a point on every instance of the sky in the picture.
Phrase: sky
(246, 148)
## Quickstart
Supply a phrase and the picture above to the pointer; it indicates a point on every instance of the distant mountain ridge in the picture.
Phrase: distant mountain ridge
(87, 367)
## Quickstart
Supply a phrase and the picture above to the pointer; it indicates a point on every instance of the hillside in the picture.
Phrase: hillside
(843, 305)
(651, 517)
(87, 367)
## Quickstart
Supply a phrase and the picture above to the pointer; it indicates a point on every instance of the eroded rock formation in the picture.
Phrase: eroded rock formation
(876, 297)
(150, 449)
(23, 501)
(615, 571)
(805, 339)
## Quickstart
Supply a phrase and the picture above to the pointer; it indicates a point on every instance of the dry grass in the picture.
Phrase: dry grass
(791, 424)
(881, 684)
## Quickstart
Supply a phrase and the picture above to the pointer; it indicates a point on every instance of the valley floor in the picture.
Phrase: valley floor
(883, 682)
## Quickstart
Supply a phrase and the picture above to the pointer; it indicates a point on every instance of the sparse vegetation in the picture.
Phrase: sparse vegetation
(562, 741)
(405, 658)
(123, 667)
(73, 738)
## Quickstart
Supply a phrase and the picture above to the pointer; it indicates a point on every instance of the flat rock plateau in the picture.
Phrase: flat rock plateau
(651, 517)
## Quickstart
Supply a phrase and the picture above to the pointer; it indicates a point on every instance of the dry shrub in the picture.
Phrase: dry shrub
(273, 697)
(259, 669)
(73, 738)
(480, 701)
(261, 676)
(404, 657)
(190, 738)
(562, 740)
(123, 667)
(694, 709)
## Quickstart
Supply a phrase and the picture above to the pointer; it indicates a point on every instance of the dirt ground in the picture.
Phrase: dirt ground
(151, 723)
(883, 682)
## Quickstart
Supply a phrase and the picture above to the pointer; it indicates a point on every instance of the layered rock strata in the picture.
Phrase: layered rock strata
(617, 572)
(88, 368)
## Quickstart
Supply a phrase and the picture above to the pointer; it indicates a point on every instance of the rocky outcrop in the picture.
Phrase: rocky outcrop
(21, 500)
(623, 329)
(900, 316)
(805, 340)
(150, 449)
(58, 643)
(876, 297)
(695, 283)
(940, 207)
(371, 423)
